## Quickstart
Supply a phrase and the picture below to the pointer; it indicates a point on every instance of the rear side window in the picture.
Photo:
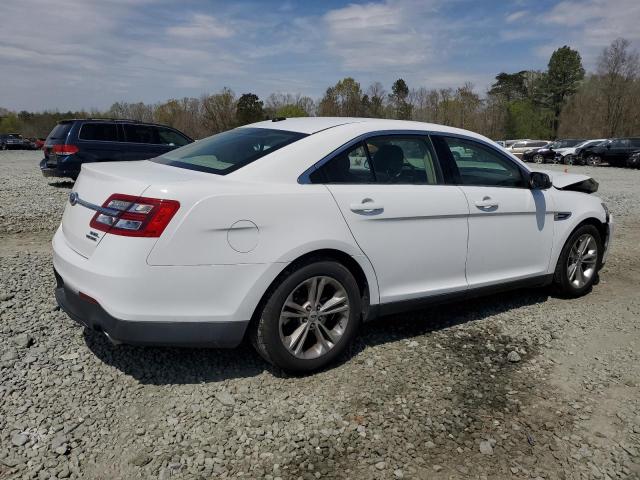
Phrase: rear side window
(60, 131)
(140, 133)
(171, 137)
(351, 166)
(228, 151)
(479, 165)
(103, 132)
(403, 160)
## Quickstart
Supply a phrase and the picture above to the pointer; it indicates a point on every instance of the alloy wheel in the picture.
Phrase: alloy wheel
(594, 160)
(314, 317)
(538, 158)
(582, 260)
(568, 160)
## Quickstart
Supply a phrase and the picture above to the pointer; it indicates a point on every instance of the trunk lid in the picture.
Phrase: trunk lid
(98, 181)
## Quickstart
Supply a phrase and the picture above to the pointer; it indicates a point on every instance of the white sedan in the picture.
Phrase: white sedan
(294, 231)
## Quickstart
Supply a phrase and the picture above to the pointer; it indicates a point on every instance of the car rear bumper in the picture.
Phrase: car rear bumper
(137, 303)
(90, 314)
(56, 171)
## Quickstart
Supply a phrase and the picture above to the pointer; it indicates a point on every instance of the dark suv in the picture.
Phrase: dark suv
(74, 142)
(614, 151)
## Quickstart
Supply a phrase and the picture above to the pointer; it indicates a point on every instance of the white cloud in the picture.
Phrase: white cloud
(201, 27)
(516, 16)
(378, 35)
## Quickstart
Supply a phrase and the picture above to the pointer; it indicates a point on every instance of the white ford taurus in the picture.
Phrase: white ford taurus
(294, 231)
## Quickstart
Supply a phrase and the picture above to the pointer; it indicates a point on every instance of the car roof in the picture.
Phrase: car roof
(311, 125)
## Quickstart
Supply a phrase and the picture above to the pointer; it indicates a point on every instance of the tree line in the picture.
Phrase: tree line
(561, 101)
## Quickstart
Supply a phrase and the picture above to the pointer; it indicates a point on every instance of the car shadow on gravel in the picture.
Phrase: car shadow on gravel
(62, 184)
(163, 365)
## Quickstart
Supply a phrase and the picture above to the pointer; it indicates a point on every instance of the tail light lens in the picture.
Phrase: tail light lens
(65, 149)
(134, 216)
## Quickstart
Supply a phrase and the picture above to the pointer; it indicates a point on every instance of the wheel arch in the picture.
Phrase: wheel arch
(359, 267)
(589, 219)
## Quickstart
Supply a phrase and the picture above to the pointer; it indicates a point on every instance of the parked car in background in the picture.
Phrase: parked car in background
(551, 152)
(13, 141)
(519, 148)
(73, 143)
(614, 151)
(572, 155)
(295, 231)
(39, 143)
(634, 160)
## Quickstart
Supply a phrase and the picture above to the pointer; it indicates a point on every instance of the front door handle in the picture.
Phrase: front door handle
(487, 202)
(367, 207)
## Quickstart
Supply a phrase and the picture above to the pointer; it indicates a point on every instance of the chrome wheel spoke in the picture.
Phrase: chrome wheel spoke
(323, 330)
(572, 271)
(589, 257)
(296, 307)
(320, 289)
(332, 303)
(313, 289)
(322, 341)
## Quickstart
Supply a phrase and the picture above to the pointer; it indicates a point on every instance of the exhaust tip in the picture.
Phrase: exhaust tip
(112, 340)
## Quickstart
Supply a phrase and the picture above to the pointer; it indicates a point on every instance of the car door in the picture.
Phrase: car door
(98, 142)
(411, 226)
(510, 226)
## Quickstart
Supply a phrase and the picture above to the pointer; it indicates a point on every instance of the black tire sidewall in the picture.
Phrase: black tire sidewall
(561, 278)
(270, 317)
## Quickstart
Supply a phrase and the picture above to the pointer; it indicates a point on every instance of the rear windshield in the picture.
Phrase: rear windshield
(60, 131)
(228, 151)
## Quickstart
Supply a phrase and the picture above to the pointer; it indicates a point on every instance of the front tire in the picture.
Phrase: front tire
(579, 262)
(568, 160)
(309, 318)
(538, 158)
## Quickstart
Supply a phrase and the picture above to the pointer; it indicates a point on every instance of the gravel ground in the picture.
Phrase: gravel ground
(517, 385)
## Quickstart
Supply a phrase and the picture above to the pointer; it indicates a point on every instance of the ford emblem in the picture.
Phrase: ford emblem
(73, 198)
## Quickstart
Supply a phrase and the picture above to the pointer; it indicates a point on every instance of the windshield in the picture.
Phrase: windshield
(228, 151)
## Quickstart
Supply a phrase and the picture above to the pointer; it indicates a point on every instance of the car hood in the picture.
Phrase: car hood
(572, 181)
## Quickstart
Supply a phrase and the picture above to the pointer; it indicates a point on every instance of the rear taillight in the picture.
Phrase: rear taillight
(134, 216)
(65, 149)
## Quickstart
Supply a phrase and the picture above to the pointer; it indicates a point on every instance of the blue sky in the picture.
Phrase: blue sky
(71, 54)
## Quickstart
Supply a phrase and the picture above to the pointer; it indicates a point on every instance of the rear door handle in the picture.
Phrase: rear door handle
(367, 207)
(487, 202)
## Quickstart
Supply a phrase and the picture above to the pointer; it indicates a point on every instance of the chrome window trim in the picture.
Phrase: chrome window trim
(305, 179)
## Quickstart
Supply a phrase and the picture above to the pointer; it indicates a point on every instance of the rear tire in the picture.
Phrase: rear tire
(594, 161)
(579, 262)
(568, 160)
(538, 158)
(292, 331)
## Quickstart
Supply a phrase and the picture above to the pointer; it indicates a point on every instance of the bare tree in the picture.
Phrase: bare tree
(618, 67)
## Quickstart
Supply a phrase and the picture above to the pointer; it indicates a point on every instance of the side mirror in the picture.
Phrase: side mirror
(539, 181)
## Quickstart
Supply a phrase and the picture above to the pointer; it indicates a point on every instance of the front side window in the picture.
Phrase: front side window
(171, 137)
(103, 132)
(228, 151)
(481, 166)
(620, 143)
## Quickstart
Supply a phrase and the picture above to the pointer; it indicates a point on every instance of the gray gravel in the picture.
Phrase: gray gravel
(517, 385)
